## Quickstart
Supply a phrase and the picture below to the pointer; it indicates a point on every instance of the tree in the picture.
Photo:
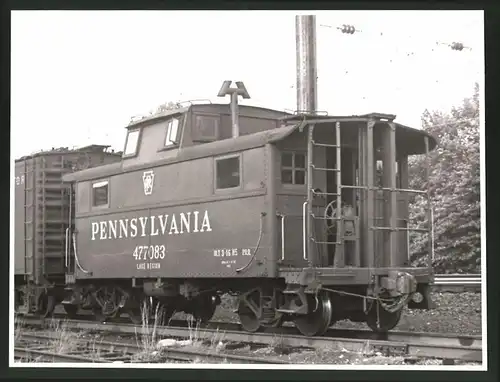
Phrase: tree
(167, 106)
(454, 190)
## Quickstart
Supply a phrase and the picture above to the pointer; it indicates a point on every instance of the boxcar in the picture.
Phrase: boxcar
(42, 208)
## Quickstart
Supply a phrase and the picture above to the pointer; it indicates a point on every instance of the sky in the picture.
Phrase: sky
(77, 77)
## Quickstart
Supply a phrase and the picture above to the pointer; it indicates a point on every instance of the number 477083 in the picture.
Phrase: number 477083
(151, 252)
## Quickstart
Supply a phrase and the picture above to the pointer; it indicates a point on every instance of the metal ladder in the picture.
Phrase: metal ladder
(312, 193)
(44, 214)
(29, 217)
(30, 303)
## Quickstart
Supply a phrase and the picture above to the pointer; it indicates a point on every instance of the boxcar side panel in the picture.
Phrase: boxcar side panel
(42, 209)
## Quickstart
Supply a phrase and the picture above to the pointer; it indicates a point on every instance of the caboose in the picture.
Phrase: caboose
(304, 217)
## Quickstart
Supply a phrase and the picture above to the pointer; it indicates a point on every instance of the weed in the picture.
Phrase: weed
(148, 339)
(62, 340)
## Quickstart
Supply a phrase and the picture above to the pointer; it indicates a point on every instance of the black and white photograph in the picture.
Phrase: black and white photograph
(273, 190)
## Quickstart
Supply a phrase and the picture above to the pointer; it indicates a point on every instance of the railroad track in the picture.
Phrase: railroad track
(40, 346)
(457, 282)
(427, 345)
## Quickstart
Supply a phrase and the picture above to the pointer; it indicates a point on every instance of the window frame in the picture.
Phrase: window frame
(240, 172)
(168, 130)
(293, 168)
(92, 198)
(196, 135)
(136, 151)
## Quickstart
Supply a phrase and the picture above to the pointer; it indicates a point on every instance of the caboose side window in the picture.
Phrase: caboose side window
(131, 143)
(293, 168)
(100, 194)
(227, 172)
(206, 128)
(172, 132)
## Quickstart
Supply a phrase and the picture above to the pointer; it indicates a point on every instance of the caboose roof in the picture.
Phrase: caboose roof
(145, 120)
(225, 146)
(412, 138)
(245, 142)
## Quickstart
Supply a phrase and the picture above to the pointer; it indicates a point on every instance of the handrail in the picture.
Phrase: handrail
(383, 189)
(304, 228)
(66, 248)
(76, 257)
(282, 237)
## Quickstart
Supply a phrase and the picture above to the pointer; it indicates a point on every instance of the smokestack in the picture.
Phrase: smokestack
(240, 90)
(305, 36)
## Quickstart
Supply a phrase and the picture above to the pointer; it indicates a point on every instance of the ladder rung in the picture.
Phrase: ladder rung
(324, 169)
(400, 229)
(323, 218)
(325, 193)
(326, 242)
(324, 144)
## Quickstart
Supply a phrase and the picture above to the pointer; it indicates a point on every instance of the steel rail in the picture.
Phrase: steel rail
(468, 348)
(288, 329)
(125, 350)
(453, 279)
(21, 353)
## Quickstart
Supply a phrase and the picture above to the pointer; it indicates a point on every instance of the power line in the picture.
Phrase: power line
(351, 29)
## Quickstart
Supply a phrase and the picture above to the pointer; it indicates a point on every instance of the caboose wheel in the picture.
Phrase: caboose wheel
(166, 313)
(103, 317)
(249, 321)
(99, 316)
(138, 311)
(46, 305)
(277, 322)
(317, 321)
(383, 321)
(204, 309)
(135, 315)
(71, 310)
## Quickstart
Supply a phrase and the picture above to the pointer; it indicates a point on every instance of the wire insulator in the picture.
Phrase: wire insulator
(349, 29)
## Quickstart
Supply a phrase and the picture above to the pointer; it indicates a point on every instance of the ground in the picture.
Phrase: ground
(454, 313)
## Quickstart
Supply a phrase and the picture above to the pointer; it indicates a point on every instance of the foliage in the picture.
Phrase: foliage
(454, 190)
(164, 107)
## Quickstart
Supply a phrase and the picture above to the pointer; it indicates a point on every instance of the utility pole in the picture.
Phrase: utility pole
(305, 36)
